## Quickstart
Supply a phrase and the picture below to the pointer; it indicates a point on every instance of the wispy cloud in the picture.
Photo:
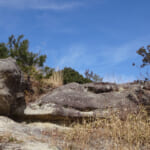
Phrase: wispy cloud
(39, 4)
(123, 52)
(81, 55)
(79, 58)
(74, 56)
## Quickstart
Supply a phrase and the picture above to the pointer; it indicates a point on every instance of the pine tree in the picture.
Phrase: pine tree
(19, 50)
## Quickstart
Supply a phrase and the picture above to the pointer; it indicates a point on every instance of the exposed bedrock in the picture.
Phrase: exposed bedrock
(74, 101)
(11, 88)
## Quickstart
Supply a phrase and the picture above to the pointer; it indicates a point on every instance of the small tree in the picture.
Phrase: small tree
(145, 53)
(97, 78)
(88, 74)
(91, 76)
(19, 50)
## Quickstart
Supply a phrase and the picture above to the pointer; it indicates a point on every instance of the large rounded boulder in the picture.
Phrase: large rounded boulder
(11, 88)
(73, 101)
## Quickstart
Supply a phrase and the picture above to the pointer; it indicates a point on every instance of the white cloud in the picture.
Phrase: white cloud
(39, 4)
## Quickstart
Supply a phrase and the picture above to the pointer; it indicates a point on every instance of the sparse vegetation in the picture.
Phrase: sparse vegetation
(114, 133)
(55, 80)
(92, 76)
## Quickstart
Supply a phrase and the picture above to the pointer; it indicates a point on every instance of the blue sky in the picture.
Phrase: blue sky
(100, 35)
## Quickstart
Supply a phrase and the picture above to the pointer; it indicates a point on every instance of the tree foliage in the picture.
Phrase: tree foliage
(145, 53)
(3, 51)
(91, 76)
(47, 71)
(18, 48)
(70, 75)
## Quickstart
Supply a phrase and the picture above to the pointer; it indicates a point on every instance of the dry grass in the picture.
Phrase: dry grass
(113, 134)
(55, 80)
(43, 86)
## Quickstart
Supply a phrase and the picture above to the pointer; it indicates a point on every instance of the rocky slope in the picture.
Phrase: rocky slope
(21, 136)
(62, 105)
(74, 101)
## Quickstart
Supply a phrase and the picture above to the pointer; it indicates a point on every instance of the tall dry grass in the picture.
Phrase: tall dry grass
(133, 133)
(55, 80)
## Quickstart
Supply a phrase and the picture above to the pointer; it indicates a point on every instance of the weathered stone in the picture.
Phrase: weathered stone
(75, 101)
(101, 87)
(11, 88)
(147, 85)
(18, 136)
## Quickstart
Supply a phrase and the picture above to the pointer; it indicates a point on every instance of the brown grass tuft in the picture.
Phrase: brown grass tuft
(55, 80)
(111, 134)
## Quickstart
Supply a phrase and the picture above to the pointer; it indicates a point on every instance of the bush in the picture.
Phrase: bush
(70, 75)
(3, 51)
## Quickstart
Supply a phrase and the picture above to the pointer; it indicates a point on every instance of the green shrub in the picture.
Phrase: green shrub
(70, 75)
(3, 51)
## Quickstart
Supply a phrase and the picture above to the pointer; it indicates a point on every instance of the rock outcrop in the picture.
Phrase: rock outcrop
(11, 88)
(65, 104)
(19, 136)
(68, 102)
(74, 101)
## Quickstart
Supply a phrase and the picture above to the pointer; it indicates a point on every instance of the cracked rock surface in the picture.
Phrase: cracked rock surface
(74, 101)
